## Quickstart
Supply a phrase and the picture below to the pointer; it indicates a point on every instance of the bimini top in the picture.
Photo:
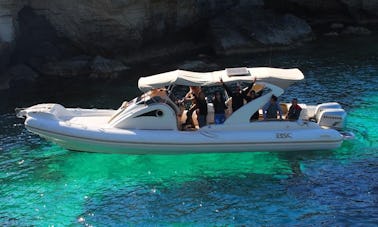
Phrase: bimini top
(279, 77)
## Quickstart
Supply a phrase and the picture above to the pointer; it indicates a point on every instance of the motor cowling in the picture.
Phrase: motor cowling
(332, 118)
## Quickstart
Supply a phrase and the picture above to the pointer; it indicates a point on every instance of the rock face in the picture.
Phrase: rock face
(362, 11)
(353, 30)
(279, 29)
(106, 68)
(8, 22)
(51, 36)
(121, 27)
(68, 68)
(126, 24)
(18, 74)
(243, 31)
(8, 29)
(117, 27)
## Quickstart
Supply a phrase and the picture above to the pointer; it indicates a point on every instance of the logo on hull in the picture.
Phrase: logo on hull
(283, 135)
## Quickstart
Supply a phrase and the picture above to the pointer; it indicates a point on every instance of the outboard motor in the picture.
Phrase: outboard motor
(330, 115)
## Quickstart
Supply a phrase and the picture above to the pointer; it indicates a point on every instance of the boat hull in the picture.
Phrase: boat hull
(206, 140)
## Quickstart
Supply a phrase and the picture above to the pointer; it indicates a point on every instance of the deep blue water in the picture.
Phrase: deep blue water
(42, 184)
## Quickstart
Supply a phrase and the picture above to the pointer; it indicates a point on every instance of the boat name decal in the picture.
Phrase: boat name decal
(283, 135)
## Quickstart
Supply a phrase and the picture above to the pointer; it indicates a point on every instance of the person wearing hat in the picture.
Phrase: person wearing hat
(238, 96)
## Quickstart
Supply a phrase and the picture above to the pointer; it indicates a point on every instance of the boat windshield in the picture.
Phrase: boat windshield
(156, 96)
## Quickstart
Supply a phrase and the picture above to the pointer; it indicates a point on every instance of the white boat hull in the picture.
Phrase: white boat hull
(209, 139)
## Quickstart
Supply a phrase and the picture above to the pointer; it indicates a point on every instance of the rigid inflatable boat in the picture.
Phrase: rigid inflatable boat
(152, 123)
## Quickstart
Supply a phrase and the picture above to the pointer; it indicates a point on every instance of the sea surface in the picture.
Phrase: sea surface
(42, 184)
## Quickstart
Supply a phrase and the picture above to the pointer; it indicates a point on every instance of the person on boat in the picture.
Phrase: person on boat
(294, 110)
(219, 108)
(252, 96)
(201, 104)
(272, 109)
(194, 92)
(238, 96)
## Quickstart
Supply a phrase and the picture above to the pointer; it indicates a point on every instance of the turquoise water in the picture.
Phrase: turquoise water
(42, 184)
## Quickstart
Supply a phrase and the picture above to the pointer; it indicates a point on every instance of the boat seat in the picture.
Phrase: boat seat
(258, 88)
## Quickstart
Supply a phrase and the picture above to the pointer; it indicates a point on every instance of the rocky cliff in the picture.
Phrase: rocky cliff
(95, 37)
